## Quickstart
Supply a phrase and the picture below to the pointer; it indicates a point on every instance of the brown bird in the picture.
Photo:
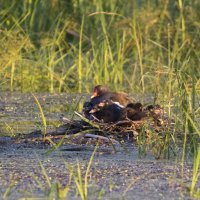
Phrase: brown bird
(101, 93)
(135, 112)
(106, 105)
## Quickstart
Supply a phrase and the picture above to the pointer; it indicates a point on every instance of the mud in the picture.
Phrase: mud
(113, 175)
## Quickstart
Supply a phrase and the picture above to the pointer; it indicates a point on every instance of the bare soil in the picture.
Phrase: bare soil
(113, 175)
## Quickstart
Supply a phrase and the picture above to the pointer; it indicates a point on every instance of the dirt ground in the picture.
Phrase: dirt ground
(120, 175)
(113, 175)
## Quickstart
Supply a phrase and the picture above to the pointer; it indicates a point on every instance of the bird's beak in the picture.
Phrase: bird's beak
(94, 94)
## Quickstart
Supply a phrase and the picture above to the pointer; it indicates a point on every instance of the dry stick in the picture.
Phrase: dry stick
(88, 135)
(101, 137)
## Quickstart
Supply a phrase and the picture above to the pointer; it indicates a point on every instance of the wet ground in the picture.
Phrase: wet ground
(26, 170)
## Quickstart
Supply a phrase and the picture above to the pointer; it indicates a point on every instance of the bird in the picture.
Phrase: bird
(135, 112)
(109, 106)
(108, 111)
(101, 93)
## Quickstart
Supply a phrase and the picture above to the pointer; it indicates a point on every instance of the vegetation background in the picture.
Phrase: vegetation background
(71, 45)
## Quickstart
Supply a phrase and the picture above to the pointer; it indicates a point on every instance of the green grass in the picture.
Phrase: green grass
(43, 119)
(193, 191)
(78, 178)
(136, 46)
(81, 180)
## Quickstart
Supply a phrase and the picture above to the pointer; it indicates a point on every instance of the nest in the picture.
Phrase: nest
(85, 131)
